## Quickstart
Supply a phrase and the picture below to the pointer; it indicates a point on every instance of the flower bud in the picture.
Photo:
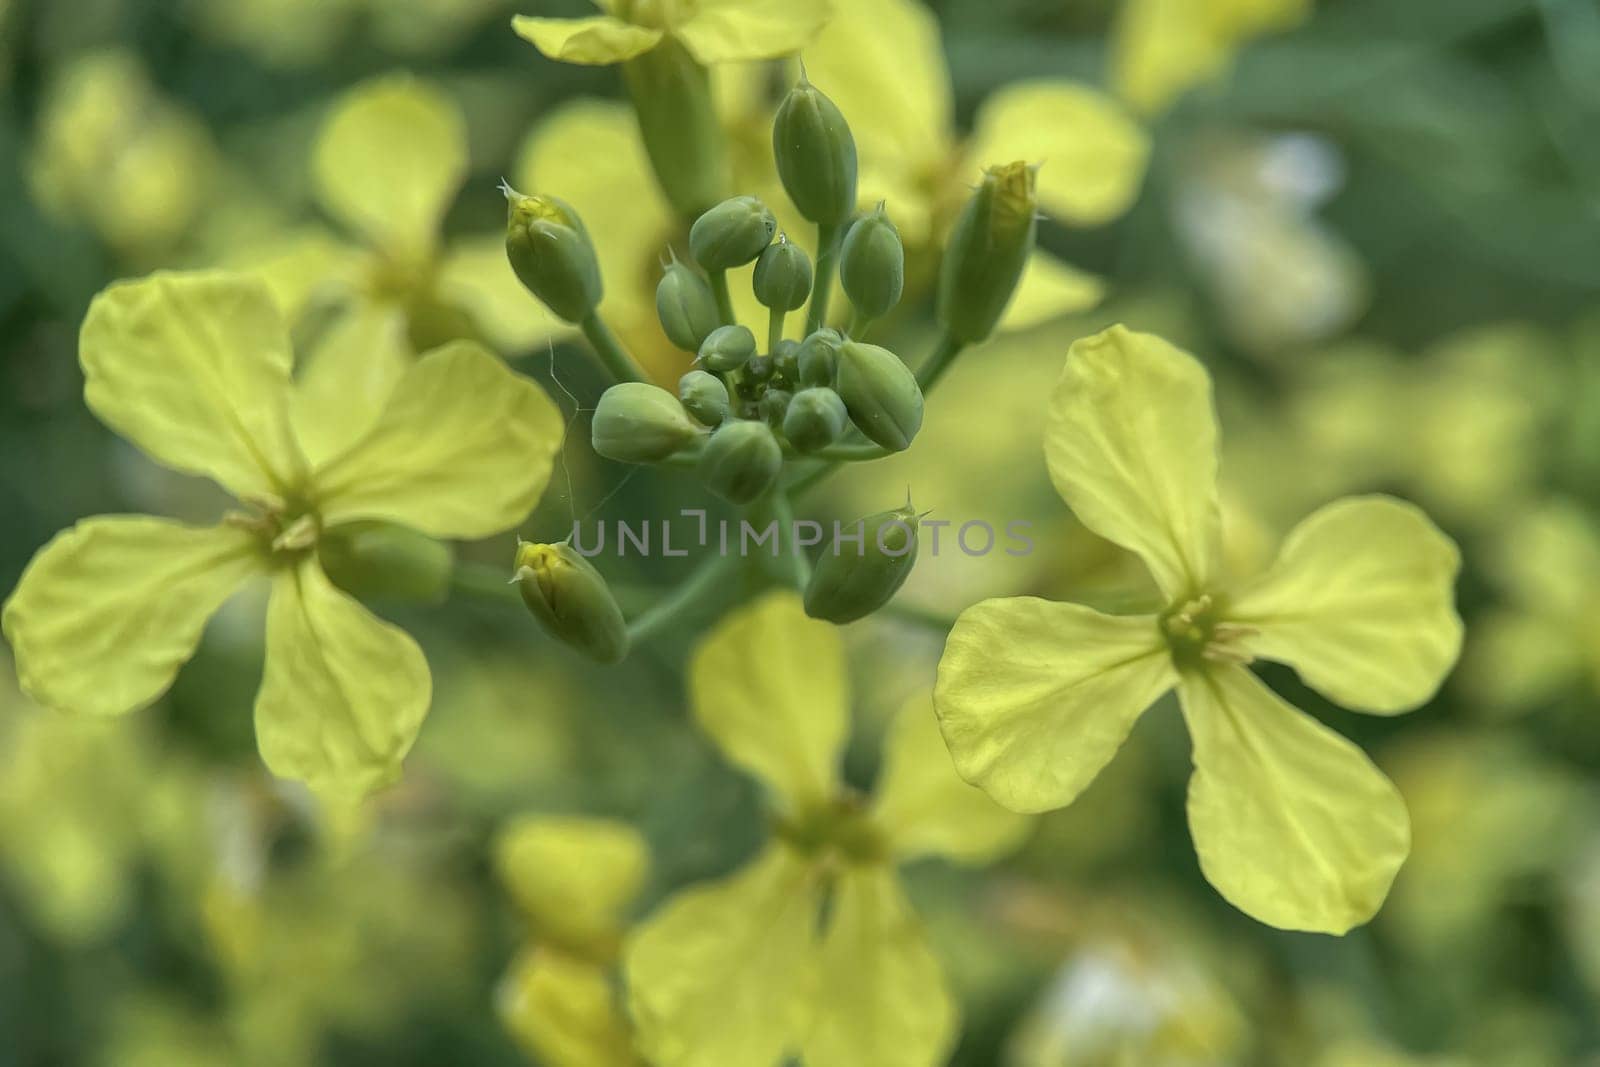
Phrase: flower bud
(381, 560)
(728, 348)
(815, 419)
(571, 600)
(679, 124)
(774, 404)
(732, 234)
(686, 308)
(550, 252)
(852, 580)
(703, 396)
(786, 364)
(987, 250)
(759, 369)
(881, 394)
(872, 265)
(636, 422)
(816, 155)
(783, 276)
(741, 461)
(819, 357)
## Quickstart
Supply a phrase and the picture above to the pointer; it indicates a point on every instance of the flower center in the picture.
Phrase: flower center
(1197, 634)
(841, 830)
(286, 530)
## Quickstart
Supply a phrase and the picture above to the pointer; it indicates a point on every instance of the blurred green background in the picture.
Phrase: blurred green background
(1378, 223)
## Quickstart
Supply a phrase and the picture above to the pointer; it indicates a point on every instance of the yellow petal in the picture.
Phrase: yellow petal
(1093, 153)
(1293, 824)
(1049, 289)
(1361, 602)
(596, 40)
(1163, 47)
(389, 161)
(462, 450)
(768, 685)
(1035, 697)
(194, 369)
(1131, 445)
(564, 1011)
(343, 693)
(882, 998)
(109, 610)
(476, 277)
(347, 378)
(572, 876)
(730, 31)
(723, 973)
(922, 804)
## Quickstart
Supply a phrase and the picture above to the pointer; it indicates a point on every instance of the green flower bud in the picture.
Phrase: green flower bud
(774, 404)
(872, 264)
(786, 364)
(380, 560)
(816, 418)
(759, 369)
(741, 461)
(881, 394)
(819, 357)
(732, 234)
(728, 348)
(636, 422)
(783, 276)
(550, 252)
(571, 600)
(686, 308)
(704, 396)
(987, 250)
(680, 127)
(816, 155)
(852, 580)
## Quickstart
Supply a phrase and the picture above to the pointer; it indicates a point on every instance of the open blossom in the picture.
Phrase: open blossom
(713, 31)
(195, 369)
(1292, 823)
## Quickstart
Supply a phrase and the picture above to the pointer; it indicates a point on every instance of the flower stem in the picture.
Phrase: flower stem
(938, 361)
(708, 580)
(615, 358)
(775, 319)
(719, 290)
(483, 582)
(799, 566)
(822, 288)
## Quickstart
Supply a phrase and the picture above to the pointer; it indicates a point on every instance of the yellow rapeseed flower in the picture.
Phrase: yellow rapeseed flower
(195, 369)
(1292, 823)
(713, 31)
(1162, 48)
(745, 970)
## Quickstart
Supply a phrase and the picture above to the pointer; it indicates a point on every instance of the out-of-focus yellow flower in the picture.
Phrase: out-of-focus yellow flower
(882, 63)
(1292, 823)
(738, 971)
(714, 31)
(195, 369)
(1164, 47)
(112, 151)
(573, 879)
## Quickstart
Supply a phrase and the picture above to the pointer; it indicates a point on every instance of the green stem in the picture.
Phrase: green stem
(859, 325)
(775, 319)
(616, 359)
(822, 288)
(719, 290)
(933, 368)
(847, 452)
(709, 579)
(799, 566)
(933, 620)
(483, 582)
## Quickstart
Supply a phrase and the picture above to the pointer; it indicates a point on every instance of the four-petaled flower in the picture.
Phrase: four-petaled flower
(1292, 823)
(744, 971)
(714, 31)
(195, 369)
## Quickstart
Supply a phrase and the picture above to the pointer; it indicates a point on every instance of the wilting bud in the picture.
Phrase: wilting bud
(380, 560)
(872, 264)
(816, 155)
(786, 364)
(732, 234)
(728, 348)
(852, 580)
(703, 396)
(783, 276)
(551, 253)
(686, 308)
(571, 600)
(815, 419)
(987, 250)
(678, 122)
(741, 461)
(819, 357)
(881, 394)
(774, 404)
(636, 422)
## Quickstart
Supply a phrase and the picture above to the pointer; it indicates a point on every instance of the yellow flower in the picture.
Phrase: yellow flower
(713, 31)
(744, 970)
(572, 878)
(1292, 823)
(1162, 48)
(195, 369)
